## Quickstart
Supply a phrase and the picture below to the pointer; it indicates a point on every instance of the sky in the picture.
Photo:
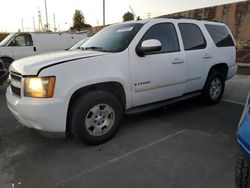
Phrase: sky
(23, 14)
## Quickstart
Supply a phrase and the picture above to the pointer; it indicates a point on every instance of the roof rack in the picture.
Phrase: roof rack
(182, 17)
(175, 17)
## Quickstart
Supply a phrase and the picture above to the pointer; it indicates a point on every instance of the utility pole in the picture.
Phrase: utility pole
(40, 23)
(22, 26)
(34, 26)
(132, 11)
(54, 19)
(59, 29)
(46, 12)
(103, 13)
(149, 14)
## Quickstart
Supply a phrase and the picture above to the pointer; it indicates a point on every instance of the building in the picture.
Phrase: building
(235, 15)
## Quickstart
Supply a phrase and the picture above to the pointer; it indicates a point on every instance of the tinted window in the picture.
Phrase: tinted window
(220, 35)
(166, 34)
(192, 37)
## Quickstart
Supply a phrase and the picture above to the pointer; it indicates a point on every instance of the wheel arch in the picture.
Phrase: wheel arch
(9, 59)
(112, 87)
(3, 69)
(221, 67)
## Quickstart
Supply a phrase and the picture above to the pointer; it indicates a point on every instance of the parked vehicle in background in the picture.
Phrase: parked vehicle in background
(19, 45)
(128, 67)
(78, 44)
(242, 170)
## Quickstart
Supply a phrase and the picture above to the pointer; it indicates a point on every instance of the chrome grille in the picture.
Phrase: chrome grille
(15, 83)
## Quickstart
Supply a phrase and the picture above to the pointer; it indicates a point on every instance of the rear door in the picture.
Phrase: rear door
(198, 54)
(22, 46)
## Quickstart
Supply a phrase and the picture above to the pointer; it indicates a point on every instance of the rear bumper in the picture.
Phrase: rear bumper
(232, 70)
(45, 115)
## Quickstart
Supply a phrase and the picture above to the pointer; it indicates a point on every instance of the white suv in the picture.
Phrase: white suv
(125, 68)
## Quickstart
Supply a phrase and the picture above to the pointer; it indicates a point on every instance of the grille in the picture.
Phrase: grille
(15, 83)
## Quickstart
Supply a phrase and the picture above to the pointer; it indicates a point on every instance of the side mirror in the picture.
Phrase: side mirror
(150, 45)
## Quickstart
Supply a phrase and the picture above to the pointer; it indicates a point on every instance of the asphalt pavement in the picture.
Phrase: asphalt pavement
(185, 145)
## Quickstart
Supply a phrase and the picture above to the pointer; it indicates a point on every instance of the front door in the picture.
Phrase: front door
(158, 75)
(22, 46)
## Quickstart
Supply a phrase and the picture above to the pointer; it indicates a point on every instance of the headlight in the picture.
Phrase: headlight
(39, 87)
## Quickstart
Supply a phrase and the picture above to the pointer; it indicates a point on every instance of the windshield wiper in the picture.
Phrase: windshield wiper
(96, 48)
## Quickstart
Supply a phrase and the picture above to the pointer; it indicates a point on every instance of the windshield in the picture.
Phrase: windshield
(7, 39)
(114, 38)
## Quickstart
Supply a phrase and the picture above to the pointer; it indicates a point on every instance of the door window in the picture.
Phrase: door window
(166, 34)
(220, 35)
(22, 40)
(192, 36)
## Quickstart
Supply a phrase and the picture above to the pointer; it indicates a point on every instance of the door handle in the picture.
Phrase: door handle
(207, 56)
(34, 48)
(177, 61)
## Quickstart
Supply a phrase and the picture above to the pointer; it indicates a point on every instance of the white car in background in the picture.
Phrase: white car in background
(19, 45)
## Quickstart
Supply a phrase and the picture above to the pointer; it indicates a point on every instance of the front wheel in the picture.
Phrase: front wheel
(214, 87)
(95, 117)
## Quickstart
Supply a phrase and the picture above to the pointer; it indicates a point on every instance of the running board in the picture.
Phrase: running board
(156, 105)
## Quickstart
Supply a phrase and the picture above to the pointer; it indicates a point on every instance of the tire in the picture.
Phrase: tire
(242, 173)
(214, 88)
(96, 117)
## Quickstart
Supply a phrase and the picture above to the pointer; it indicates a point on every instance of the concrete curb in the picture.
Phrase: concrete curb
(243, 64)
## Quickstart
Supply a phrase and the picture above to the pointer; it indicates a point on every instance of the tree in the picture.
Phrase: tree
(79, 21)
(128, 16)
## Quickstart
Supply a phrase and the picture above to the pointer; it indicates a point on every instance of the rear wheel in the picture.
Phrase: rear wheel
(95, 117)
(214, 87)
(242, 172)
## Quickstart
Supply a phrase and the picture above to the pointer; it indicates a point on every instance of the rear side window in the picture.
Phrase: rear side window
(192, 36)
(220, 35)
(166, 34)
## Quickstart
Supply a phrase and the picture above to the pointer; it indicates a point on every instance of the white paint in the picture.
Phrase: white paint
(235, 102)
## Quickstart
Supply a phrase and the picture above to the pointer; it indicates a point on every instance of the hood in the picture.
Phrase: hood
(31, 65)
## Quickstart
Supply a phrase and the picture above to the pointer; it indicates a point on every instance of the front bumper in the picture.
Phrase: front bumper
(48, 115)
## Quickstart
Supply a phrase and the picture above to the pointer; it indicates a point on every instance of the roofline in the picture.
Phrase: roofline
(171, 18)
(40, 32)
